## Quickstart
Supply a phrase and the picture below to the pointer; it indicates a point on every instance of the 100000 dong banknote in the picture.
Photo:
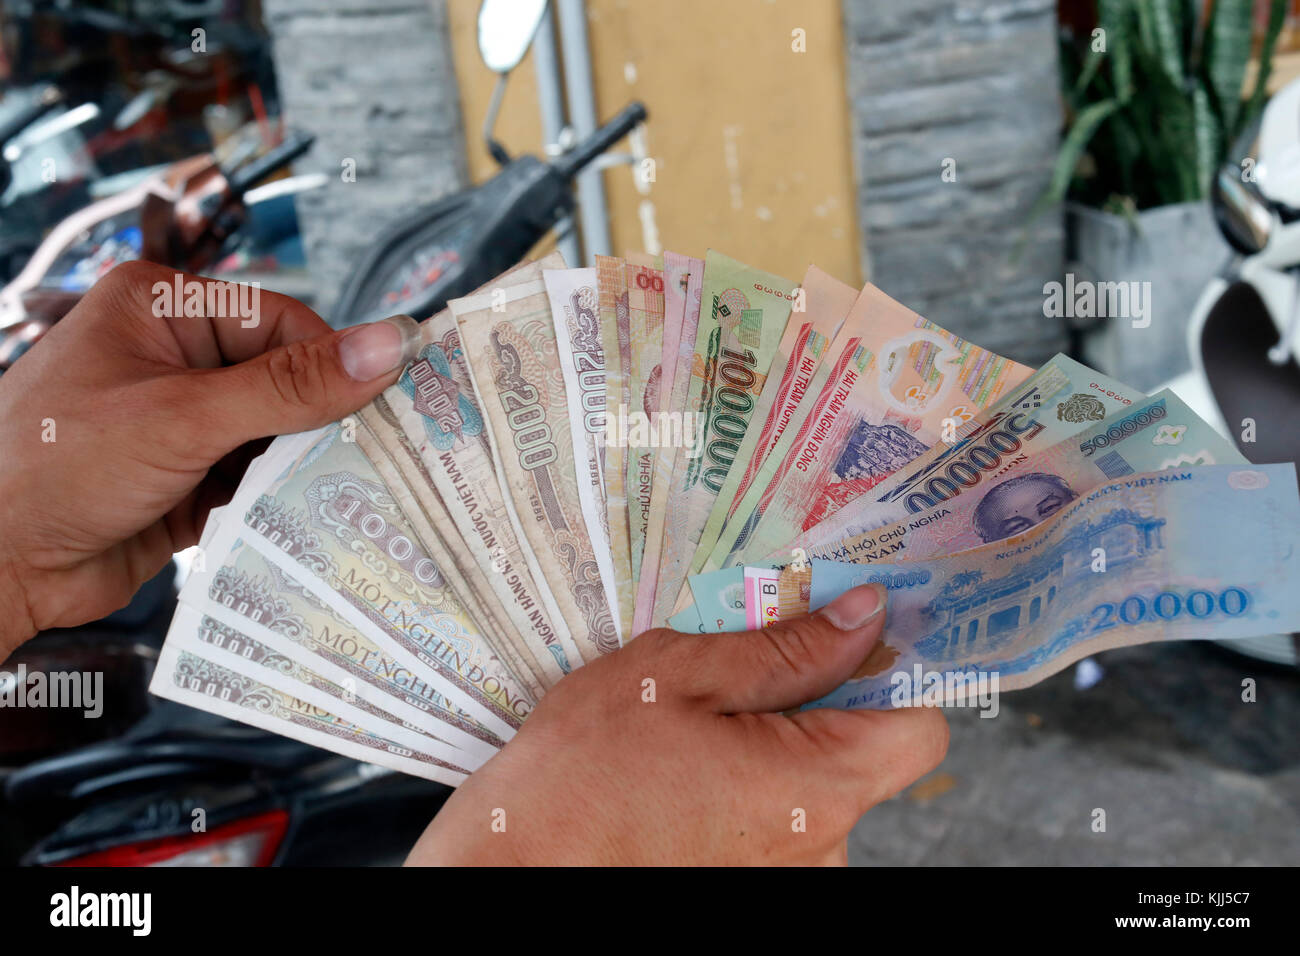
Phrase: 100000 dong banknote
(683, 281)
(1193, 553)
(743, 314)
(513, 359)
(890, 382)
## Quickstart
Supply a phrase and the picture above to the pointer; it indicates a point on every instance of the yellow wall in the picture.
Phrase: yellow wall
(751, 140)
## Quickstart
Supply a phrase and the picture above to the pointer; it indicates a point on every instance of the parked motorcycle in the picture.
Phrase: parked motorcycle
(187, 216)
(1244, 334)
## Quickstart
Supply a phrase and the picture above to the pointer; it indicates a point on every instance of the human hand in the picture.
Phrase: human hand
(150, 420)
(709, 771)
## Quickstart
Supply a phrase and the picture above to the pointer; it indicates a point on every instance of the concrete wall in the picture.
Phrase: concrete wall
(373, 79)
(974, 81)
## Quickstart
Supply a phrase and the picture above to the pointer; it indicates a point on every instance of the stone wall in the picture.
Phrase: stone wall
(373, 79)
(975, 82)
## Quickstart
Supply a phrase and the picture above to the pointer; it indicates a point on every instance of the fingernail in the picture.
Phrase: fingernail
(370, 351)
(856, 607)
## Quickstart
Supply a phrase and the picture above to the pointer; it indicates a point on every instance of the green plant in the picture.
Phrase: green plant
(1154, 99)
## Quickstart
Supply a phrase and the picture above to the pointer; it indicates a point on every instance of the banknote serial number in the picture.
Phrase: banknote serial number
(1168, 606)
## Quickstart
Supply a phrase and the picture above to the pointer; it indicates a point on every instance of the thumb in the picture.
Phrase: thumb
(307, 383)
(791, 662)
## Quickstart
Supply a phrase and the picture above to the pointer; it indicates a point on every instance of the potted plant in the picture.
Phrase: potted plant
(1154, 96)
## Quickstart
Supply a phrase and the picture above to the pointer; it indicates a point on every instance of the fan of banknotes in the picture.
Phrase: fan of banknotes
(578, 455)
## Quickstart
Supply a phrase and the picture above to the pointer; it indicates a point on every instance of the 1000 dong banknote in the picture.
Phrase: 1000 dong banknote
(821, 305)
(683, 282)
(205, 636)
(244, 590)
(743, 314)
(319, 509)
(429, 521)
(197, 682)
(615, 337)
(645, 308)
(1062, 398)
(514, 363)
(1195, 553)
(892, 380)
(575, 309)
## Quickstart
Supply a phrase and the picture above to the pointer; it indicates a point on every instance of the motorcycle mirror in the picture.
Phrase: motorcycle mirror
(506, 29)
(1245, 218)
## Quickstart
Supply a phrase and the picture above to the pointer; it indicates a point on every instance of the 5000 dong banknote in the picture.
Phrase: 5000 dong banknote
(891, 381)
(575, 309)
(513, 359)
(192, 680)
(1061, 399)
(743, 314)
(320, 511)
(683, 282)
(615, 337)
(1187, 554)
(822, 304)
(645, 307)
(246, 591)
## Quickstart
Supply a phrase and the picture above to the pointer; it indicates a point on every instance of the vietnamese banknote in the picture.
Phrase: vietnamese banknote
(575, 310)
(189, 679)
(743, 315)
(513, 360)
(683, 282)
(321, 512)
(822, 304)
(244, 590)
(615, 337)
(644, 429)
(1062, 398)
(890, 383)
(1185, 554)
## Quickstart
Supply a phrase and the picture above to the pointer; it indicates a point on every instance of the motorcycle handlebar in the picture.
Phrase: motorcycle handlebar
(252, 172)
(602, 139)
(49, 98)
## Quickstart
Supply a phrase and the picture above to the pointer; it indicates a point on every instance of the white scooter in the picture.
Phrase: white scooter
(1244, 334)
